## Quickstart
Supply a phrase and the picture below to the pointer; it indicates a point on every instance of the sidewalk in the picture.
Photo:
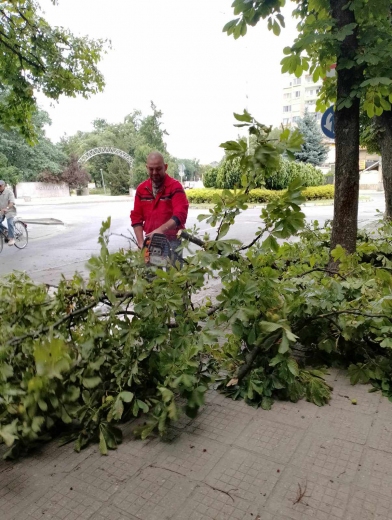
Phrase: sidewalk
(294, 462)
(83, 199)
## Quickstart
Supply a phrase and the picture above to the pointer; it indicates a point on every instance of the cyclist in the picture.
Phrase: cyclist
(7, 210)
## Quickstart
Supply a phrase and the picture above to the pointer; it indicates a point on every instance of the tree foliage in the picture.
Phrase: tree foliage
(192, 169)
(137, 135)
(35, 56)
(74, 175)
(127, 341)
(229, 175)
(357, 40)
(313, 150)
(290, 170)
(29, 161)
(209, 177)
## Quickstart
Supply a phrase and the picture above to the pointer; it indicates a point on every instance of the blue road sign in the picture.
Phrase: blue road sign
(328, 123)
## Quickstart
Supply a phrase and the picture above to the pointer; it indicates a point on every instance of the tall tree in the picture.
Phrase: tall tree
(313, 150)
(355, 37)
(136, 135)
(28, 160)
(35, 56)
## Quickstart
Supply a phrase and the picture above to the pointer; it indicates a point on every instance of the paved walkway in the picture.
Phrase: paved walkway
(295, 462)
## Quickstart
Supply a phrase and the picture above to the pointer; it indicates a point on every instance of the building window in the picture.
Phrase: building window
(286, 120)
(310, 103)
(297, 93)
(287, 108)
(287, 95)
(308, 79)
(296, 119)
(297, 81)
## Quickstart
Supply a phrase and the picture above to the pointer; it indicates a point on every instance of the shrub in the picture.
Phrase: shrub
(209, 178)
(319, 192)
(229, 175)
(74, 175)
(259, 195)
(290, 170)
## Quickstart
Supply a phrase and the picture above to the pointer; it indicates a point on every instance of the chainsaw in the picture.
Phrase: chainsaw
(157, 250)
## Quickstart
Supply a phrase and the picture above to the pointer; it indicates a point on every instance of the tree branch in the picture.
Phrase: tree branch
(59, 322)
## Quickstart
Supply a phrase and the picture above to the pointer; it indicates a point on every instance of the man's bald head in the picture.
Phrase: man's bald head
(156, 168)
(155, 155)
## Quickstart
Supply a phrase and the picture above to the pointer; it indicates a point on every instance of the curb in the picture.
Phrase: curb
(71, 200)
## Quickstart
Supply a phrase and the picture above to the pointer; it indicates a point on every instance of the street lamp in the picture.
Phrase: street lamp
(103, 182)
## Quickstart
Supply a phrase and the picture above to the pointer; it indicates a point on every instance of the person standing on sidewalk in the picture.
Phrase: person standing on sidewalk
(7, 210)
(161, 205)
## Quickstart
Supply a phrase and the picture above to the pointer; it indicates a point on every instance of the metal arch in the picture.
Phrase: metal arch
(105, 149)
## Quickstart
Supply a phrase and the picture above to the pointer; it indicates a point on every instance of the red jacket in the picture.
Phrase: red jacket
(170, 202)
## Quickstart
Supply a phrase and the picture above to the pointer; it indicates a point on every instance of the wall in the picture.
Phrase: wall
(369, 180)
(40, 190)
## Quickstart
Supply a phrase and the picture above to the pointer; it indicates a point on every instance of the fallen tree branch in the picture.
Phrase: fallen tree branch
(56, 324)
(251, 357)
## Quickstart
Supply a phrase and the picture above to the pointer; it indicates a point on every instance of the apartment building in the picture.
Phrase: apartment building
(299, 95)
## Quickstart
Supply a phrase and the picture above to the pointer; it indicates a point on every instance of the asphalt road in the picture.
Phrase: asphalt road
(56, 250)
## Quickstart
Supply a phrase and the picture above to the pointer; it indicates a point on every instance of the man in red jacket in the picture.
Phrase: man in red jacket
(160, 204)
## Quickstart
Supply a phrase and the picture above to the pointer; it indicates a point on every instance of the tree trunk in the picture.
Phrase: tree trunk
(345, 221)
(384, 123)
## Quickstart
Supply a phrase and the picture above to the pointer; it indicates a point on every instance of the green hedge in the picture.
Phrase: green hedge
(199, 196)
(290, 170)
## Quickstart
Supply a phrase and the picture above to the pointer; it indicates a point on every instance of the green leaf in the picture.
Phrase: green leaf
(284, 344)
(102, 443)
(268, 326)
(292, 365)
(126, 396)
(246, 117)
(143, 406)
(52, 358)
(91, 382)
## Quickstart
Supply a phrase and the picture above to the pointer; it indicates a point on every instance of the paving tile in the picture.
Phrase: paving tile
(219, 424)
(364, 505)
(333, 376)
(206, 503)
(130, 446)
(217, 399)
(334, 458)
(375, 473)
(70, 505)
(270, 439)
(50, 460)
(99, 476)
(300, 414)
(18, 490)
(153, 494)
(352, 426)
(191, 455)
(323, 498)
(380, 436)
(111, 512)
(246, 477)
(385, 408)
(344, 392)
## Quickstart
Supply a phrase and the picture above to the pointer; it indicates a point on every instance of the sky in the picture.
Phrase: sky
(174, 53)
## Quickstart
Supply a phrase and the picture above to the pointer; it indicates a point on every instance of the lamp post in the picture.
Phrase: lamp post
(103, 182)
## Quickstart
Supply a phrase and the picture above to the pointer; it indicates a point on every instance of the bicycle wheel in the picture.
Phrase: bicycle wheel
(21, 235)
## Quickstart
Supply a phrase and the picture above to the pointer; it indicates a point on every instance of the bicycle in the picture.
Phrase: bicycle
(21, 235)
